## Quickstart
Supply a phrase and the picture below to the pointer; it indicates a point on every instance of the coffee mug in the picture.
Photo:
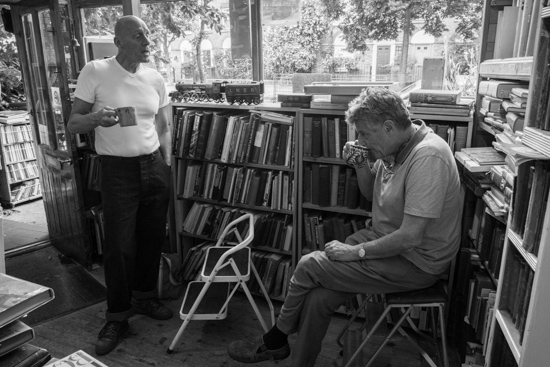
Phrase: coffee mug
(357, 156)
(126, 116)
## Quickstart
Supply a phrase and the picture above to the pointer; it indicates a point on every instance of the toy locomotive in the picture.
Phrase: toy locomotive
(240, 93)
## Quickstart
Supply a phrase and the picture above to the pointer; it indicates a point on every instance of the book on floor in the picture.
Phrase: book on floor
(18, 297)
(78, 358)
(14, 335)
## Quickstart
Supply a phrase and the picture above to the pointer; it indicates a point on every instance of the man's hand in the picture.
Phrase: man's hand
(338, 251)
(107, 117)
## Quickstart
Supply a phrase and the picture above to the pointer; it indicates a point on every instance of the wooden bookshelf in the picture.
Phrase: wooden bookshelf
(19, 172)
(520, 329)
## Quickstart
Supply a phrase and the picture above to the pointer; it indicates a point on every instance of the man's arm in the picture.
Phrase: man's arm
(365, 179)
(82, 121)
(408, 236)
(162, 126)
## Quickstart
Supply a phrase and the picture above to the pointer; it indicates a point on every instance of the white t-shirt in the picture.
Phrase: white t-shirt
(106, 83)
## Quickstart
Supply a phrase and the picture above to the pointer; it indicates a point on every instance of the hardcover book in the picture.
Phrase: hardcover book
(294, 98)
(434, 96)
(14, 335)
(18, 297)
(498, 88)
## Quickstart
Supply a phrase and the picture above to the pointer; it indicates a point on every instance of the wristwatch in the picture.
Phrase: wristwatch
(362, 252)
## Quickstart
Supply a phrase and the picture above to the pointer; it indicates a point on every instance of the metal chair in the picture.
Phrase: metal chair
(433, 297)
(224, 266)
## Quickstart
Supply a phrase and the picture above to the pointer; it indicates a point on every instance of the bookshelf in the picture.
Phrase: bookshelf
(233, 159)
(518, 328)
(19, 176)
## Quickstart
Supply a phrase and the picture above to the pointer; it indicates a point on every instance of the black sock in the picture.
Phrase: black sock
(275, 338)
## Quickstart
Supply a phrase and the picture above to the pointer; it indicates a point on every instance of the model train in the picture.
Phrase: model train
(240, 93)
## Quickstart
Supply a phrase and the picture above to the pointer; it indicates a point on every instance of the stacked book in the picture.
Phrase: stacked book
(503, 104)
(12, 117)
(480, 159)
(337, 96)
(438, 102)
(300, 100)
(17, 298)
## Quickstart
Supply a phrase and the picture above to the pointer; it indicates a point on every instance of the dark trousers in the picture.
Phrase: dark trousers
(135, 195)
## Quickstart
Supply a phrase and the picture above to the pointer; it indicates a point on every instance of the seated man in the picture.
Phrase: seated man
(413, 184)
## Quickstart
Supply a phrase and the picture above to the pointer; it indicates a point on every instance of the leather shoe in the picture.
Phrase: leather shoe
(254, 351)
(108, 337)
(152, 308)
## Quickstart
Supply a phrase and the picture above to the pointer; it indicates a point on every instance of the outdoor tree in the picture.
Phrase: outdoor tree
(11, 83)
(290, 49)
(167, 21)
(364, 20)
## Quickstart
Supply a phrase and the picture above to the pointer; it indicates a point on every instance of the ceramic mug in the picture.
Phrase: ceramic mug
(357, 156)
(126, 116)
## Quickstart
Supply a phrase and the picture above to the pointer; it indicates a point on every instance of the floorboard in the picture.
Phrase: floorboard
(202, 344)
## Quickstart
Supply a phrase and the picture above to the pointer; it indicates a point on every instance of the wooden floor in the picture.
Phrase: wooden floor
(203, 343)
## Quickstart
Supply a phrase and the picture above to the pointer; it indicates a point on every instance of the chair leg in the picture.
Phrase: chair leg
(434, 333)
(443, 335)
(371, 333)
(354, 315)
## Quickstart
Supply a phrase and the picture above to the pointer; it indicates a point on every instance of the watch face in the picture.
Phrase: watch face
(362, 253)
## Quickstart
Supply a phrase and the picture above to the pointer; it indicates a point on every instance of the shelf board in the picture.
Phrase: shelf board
(510, 332)
(249, 165)
(337, 209)
(236, 205)
(442, 117)
(243, 107)
(339, 161)
(518, 244)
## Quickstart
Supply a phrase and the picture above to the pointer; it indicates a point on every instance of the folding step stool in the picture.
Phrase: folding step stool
(207, 298)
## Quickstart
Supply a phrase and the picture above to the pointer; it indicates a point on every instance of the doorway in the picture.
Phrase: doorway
(25, 226)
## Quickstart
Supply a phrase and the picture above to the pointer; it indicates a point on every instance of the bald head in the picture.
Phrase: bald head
(125, 25)
(132, 40)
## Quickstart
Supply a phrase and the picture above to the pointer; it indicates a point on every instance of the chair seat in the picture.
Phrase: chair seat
(433, 294)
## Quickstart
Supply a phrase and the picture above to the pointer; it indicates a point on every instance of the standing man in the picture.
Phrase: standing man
(135, 172)
(412, 180)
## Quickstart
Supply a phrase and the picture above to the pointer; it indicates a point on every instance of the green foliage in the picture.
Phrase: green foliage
(294, 49)
(362, 20)
(11, 81)
(335, 64)
(229, 68)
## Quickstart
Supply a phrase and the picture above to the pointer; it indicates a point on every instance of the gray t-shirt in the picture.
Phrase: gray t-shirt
(423, 182)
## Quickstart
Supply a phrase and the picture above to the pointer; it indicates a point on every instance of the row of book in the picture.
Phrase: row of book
(501, 354)
(455, 136)
(236, 185)
(321, 227)
(530, 199)
(488, 234)
(516, 290)
(503, 103)
(481, 303)
(19, 152)
(339, 187)
(25, 190)
(274, 269)
(326, 136)
(273, 231)
(19, 297)
(22, 171)
(15, 133)
(234, 137)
